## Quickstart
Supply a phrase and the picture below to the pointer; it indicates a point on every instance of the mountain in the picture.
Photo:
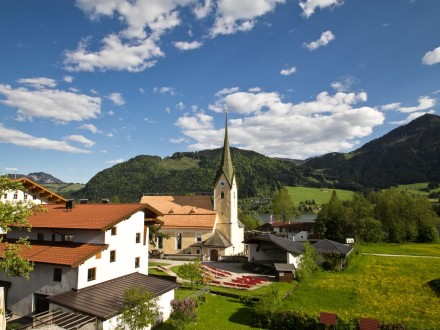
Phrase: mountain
(407, 154)
(190, 172)
(38, 177)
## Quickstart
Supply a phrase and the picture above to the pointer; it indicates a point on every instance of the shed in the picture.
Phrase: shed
(284, 272)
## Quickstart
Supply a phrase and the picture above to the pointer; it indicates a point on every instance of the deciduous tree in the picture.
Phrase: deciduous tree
(191, 271)
(282, 205)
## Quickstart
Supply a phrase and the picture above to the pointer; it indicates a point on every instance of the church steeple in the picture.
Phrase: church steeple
(226, 163)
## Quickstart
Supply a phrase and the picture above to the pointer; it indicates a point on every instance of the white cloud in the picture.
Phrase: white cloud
(425, 103)
(183, 45)
(141, 90)
(168, 110)
(115, 161)
(233, 16)
(149, 121)
(25, 140)
(92, 128)
(60, 106)
(40, 82)
(201, 10)
(177, 140)
(411, 117)
(288, 71)
(226, 91)
(164, 90)
(254, 89)
(68, 79)
(309, 6)
(432, 57)
(180, 106)
(132, 56)
(80, 139)
(116, 98)
(264, 122)
(344, 85)
(390, 106)
(325, 38)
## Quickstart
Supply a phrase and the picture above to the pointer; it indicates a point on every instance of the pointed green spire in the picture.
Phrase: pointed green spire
(226, 162)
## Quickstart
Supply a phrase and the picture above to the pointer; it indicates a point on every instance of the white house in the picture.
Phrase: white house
(85, 257)
(202, 225)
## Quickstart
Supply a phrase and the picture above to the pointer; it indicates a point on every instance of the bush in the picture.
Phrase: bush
(184, 312)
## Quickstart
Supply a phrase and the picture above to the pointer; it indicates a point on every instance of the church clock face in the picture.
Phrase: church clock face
(222, 183)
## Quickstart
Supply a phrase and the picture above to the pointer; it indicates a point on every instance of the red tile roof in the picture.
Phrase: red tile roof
(66, 253)
(84, 216)
(182, 211)
(33, 187)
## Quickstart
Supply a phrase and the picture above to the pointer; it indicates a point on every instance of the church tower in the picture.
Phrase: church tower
(226, 200)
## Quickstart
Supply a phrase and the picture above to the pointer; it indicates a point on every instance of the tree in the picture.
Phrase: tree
(307, 264)
(332, 221)
(250, 220)
(282, 205)
(191, 271)
(16, 214)
(140, 309)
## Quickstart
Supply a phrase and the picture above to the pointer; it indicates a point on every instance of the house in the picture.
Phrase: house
(85, 256)
(200, 225)
(332, 254)
(295, 230)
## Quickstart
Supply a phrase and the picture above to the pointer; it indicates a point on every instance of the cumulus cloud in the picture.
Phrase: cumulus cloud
(233, 16)
(92, 128)
(288, 71)
(68, 79)
(201, 10)
(425, 103)
(183, 45)
(117, 98)
(226, 91)
(22, 139)
(164, 90)
(432, 57)
(324, 40)
(264, 122)
(40, 82)
(132, 56)
(344, 85)
(411, 117)
(309, 6)
(58, 105)
(80, 139)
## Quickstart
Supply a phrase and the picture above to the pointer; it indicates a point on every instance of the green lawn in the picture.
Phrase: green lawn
(219, 313)
(320, 195)
(155, 263)
(390, 289)
(416, 249)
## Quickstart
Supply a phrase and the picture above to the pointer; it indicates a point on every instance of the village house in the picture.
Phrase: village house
(294, 230)
(200, 225)
(85, 256)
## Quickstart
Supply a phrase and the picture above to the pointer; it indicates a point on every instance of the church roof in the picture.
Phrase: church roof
(182, 211)
(217, 240)
(226, 166)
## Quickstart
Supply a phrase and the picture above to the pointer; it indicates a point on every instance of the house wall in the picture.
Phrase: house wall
(34, 198)
(188, 238)
(293, 259)
(164, 303)
(124, 243)
(21, 293)
(302, 236)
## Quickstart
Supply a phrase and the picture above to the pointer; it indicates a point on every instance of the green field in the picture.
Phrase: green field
(179, 164)
(414, 249)
(319, 195)
(390, 289)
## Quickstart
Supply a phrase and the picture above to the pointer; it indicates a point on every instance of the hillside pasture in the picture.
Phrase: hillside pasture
(319, 195)
(390, 289)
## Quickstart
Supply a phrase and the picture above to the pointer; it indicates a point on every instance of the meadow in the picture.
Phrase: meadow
(390, 289)
(319, 195)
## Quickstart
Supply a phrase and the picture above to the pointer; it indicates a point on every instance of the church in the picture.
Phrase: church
(201, 225)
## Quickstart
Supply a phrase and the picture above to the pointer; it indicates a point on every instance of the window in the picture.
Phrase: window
(198, 237)
(15, 195)
(25, 197)
(178, 241)
(138, 237)
(197, 251)
(113, 231)
(137, 262)
(57, 274)
(222, 195)
(160, 242)
(91, 274)
(113, 256)
(6, 196)
(40, 237)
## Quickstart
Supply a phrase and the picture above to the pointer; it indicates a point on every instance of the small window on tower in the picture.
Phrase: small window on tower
(222, 195)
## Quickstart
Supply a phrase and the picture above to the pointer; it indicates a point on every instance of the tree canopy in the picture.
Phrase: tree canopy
(282, 205)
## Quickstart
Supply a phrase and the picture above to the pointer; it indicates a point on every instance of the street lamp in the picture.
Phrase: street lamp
(233, 253)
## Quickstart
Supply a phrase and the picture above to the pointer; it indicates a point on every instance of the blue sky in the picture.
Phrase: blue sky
(87, 84)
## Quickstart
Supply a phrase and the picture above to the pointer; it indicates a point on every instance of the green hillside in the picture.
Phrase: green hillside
(319, 195)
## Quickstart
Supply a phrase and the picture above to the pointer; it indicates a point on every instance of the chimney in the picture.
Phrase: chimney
(70, 204)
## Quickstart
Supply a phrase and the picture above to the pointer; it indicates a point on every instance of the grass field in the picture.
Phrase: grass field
(179, 164)
(390, 289)
(425, 249)
(320, 195)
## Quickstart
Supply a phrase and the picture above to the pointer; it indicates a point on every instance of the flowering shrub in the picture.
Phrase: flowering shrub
(184, 312)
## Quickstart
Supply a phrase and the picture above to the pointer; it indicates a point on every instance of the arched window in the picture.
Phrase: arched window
(222, 195)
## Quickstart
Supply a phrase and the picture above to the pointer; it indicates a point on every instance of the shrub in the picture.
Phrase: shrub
(184, 312)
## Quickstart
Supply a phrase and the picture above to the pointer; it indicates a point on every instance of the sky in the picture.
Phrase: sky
(86, 84)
